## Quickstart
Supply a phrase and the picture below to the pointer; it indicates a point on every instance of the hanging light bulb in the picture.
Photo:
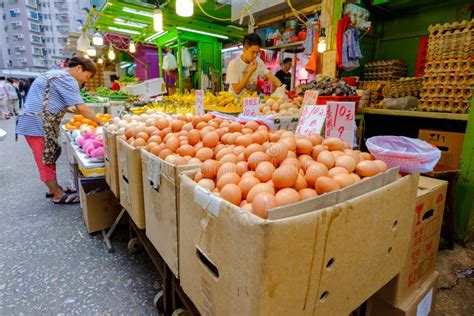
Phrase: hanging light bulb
(131, 47)
(184, 8)
(91, 51)
(158, 20)
(86, 56)
(111, 53)
(82, 42)
(100, 61)
(97, 39)
(322, 42)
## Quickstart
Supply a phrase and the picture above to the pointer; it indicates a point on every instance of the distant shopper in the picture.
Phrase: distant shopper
(13, 98)
(243, 71)
(284, 75)
(115, 83)
(3, 100)
(48, 99)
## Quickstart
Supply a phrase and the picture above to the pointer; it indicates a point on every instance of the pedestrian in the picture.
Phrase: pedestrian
(48, 99)
(13, 97)
(3, 100)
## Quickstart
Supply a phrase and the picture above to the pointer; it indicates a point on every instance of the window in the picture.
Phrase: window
(38, 62)
(36, 39)
(21, 60)
(37, 51)
(32, 3)
(9, 51)
(14, 13)
(35, 27)
(19, 49)
(33, 15)
(62, 40)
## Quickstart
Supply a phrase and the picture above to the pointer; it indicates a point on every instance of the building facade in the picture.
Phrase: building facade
(35, 32)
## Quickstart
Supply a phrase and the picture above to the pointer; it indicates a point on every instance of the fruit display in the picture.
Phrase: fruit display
(226, 102)
(281, 107)
(327, 86)
(127, 80)
(112, 94)
(247, 164)
(89, 98)
(91, 143)
(79, 121)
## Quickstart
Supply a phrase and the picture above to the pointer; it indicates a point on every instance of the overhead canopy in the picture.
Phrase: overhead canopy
(136, 20)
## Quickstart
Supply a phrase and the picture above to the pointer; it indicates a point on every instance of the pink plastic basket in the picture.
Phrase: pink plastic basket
(410, 154)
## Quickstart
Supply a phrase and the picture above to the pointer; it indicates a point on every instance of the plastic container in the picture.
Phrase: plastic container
(410, 154)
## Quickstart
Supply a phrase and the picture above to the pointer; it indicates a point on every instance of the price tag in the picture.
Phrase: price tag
(251, 107)
(310, 97)
(340, 121)
(199, 95)
(312, 120)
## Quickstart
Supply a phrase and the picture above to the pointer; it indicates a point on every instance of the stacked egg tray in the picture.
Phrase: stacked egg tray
(451, 40)
(375, 88)
(404, 87)
(97, 80)
(385, 70)
(449, 71)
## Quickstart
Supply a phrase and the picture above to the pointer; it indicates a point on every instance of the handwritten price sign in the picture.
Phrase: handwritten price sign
(310, 97)
(340, 121)
(250, 107)
(312, 120)
(199, 102)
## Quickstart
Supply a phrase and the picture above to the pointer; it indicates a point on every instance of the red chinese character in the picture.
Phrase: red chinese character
(411, 278)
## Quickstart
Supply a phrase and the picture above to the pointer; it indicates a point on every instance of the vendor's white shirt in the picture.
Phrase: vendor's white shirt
(237, 69)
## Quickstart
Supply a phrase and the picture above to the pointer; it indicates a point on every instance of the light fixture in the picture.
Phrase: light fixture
(184, 8)
(100, 61)
(131, 24)
(131, 47)
(322, 42)
(303, 74)
(155, 36)
(97, 39)
(86, 56)
(230, 49)
(91, 51)
(158, 20)
(82, 42)
(111, 53)
(125, 65)
(201, 32)
(113, 28)
(142, 13)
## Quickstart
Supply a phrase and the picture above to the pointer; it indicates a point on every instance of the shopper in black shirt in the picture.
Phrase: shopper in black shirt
(284, 74)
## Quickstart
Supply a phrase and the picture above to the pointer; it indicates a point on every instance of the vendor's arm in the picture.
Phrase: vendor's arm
(275, 81)
(87, 113)
(237, 87)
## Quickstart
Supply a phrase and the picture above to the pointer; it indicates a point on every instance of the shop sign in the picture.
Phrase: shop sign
(312, 120)
(310, 97)
(340, 121)
(251, 107)
(199, 95)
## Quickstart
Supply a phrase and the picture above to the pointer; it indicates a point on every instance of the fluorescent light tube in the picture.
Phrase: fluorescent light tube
(131, 24)
(113, 28)
(155, 36)
(201, 32)
(142, 13)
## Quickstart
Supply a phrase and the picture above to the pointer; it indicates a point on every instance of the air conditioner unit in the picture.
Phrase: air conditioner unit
(20, 36)
(18, 23)
(21, 60)
(17, 11)
(22, 48)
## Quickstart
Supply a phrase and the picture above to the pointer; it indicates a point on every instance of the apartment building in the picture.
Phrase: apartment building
(36, 31)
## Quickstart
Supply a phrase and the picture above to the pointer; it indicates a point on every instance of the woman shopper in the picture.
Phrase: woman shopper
(48, 99)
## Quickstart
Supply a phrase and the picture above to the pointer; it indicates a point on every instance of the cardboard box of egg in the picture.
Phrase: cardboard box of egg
(344, 213)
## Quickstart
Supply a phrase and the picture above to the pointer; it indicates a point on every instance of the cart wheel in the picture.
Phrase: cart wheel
(134, 245)
(158, 302)
(180, 312)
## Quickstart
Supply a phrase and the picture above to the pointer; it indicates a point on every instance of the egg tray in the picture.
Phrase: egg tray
(452, 107)
(385, 63)
(375, 85)
(448, 28)
(452, 81)
(382, 78)
(462, 66)
(443, 98)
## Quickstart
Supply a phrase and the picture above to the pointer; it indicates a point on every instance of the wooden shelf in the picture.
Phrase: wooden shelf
(431, 115)
(296, 46)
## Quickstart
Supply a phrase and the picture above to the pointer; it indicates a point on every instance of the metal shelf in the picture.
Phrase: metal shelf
(431, 115)
(290, 47)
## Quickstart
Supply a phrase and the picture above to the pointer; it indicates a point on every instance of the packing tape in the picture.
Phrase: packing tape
(207, 200)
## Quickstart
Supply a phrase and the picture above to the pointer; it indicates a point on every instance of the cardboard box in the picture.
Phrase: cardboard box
(420, 303)
(100, 208)
(110, 161)
(130, 181)
(325, 261)
(449, 143)
(424, 241)
(161, 202)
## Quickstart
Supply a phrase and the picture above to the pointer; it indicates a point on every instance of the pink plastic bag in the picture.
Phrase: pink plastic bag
(410, 154)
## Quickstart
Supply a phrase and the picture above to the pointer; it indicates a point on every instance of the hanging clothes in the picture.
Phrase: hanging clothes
(342, 25)
(309, 40)
(187, 60)
(169, 62)
(312, 65)
(351, 52)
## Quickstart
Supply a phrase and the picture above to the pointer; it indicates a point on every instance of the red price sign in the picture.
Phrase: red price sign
(340, 121)
(312, 120)
(251, 106)
(310, 97)
(199, 95)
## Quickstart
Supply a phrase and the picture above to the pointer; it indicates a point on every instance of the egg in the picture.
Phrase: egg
(290, 142)
(303, 146)
(244, 140)
(157, 149)
(209, 168)
(179, 160)
(258, 138)
(139, 142)
(314, 171)
(344, 180)
(256, 158)
(235, 127)
(186, 150)
(154, 139)
(291, 161)
(198, 176)
(353, 154)
(326, 185)
(172, 143)
(334, 143)
(337, 154)
(229, 177)
(337, 170)
(366, 156)
(262, 203)
(224, 151)
(277, 153)
(194, 137)
(162, 123)
(316, 139)
(307, 193)
(317, 150)
(246, 184)
(326, 158)
(382, 166)
(346, 162)
(248, 207)
(228, 158)
(248, 174)
(252, 125)
(261, 187)
(231, 192)
(300, 183)
(285, 176)
(210, 140)
(238, 150)
(252, 148)
(241, 167)
(287, 196)
(204, 154)
(165, 153)
(264, 171)
(225, 168)
(194, 161)
(356, 177)
(149, 146)
(367, 168)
